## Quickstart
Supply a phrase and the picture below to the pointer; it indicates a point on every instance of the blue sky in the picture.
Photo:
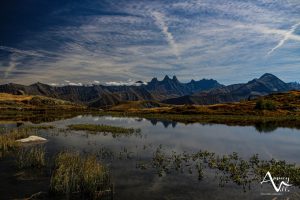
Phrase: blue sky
(100, 41)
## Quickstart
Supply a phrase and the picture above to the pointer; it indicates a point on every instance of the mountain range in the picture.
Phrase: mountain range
(169, 90)
(266, 84)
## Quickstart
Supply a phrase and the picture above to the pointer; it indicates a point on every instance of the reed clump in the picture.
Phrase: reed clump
(33, 157)
(76, 175)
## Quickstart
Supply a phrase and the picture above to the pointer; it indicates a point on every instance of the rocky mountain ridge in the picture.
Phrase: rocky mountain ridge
(169, 91)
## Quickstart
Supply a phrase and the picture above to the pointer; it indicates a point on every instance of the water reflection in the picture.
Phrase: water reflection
(265, 127)
(166, 123)
(43, 116)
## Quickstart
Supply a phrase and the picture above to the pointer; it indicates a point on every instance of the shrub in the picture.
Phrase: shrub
(265, 105)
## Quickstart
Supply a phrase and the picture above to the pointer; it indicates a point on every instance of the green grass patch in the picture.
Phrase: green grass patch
(95, 128)
(39, 127)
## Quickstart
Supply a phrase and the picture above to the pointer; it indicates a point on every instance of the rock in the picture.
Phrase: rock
(32, 138)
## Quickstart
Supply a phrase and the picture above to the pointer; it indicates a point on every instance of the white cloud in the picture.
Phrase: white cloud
(128, 82)
(75, 84)
(160, 21)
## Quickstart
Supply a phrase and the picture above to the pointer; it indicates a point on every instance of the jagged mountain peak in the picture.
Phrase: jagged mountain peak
(167, 78)
(154, 80)
(175, 78)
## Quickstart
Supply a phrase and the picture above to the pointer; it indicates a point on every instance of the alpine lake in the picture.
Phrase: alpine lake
(157, 159)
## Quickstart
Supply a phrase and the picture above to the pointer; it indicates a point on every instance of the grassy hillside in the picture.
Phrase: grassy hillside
(272, 105)
(280, 110)
(30, 102)
(276, 110)
(36, 109)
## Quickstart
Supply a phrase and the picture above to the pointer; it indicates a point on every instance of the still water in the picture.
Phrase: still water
(123, 153)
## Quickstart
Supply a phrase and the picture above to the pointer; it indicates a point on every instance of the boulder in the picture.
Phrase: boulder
(32, 138)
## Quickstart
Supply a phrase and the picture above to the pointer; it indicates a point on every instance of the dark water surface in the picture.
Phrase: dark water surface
(123, 153)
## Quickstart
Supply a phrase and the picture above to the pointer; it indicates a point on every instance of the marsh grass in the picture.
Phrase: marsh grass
(85, 176)
(32, 157)
(8, 140)
(8, 137)
(114, 130)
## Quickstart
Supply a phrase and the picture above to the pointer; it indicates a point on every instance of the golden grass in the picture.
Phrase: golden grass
(8, 140)
(287, 104)
(74, 174)
(21, 103)
(11, 97)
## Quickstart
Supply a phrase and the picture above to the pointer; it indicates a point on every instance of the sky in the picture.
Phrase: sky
(121, 41)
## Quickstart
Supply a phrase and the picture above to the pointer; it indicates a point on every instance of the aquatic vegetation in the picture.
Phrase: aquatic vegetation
(232, 167)
(160, 161)
(105, 153)
(33, 157)
(74, 174)
(114, 130)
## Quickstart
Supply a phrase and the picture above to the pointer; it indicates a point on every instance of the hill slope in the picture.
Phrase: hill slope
(32, 102)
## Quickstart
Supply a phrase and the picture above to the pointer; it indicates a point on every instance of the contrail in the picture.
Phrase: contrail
(15, 55)
(22, 52)
(160, 22)
(11, 67)
(287, 36)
